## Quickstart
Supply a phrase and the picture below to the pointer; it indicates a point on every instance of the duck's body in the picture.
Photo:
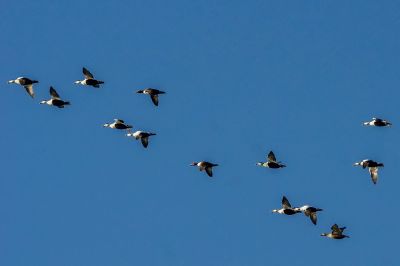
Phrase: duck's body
(337, 232)
(271, 162)
(372, 168)
(142, 135)
(55, 99)
(118, 124)
(286, 208)
(89, 79)
(26, 83)
(153, 94)
(205, 166)
(310, 212)
(377, 122)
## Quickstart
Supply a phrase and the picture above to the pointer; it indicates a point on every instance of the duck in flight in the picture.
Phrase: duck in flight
(89, 79)
(310, 212)
(287, 208)
(337, 232)
(372, 168)
(143, 136)
(55, 99)
(153, 94)
(118, 124)
(271, 162)
(26, 83)
(377, 122)
(205, 166)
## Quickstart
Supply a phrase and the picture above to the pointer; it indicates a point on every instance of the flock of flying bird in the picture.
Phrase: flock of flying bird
(287, 209)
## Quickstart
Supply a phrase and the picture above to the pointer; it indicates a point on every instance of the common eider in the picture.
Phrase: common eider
(337, 232)
(377, 122)
(118, 124)
(205, 166)
(287, 208)
(143, 136)
(55, 99)
(89, 79)
(372, 168)
(153, 94)
(310, 212)
(271, 162)
(26, 83)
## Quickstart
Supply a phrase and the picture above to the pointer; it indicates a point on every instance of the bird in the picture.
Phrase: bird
(55, 99)
(337, 232)
(118, 124)
(271, 162)
(372, 168)
(377, 122)
(26, 83)
(89, 79)
(205, 166)
(310, 211)
(153, 94)
(143, 136)
(287, 208)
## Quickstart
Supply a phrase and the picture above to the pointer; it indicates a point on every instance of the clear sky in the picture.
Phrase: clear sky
(242, 78)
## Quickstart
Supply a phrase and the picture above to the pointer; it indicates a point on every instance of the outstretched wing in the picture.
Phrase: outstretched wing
(154, 98)
(313, 217)
(53, 93)
(29, 90)
(119, 121)
(336, 230)
(373, 171)
(271, 157)
(87, 73)
(145, 141)
(209, 171)
(286, 203)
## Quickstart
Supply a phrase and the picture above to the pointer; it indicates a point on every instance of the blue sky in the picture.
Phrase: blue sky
(242, 78)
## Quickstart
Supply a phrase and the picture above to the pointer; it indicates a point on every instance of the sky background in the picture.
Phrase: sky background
(242, 78)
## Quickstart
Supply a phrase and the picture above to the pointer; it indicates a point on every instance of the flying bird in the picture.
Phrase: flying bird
(372, 168)
(55, 99)
(143, 136)
(337, 232)
(118, 124)
(153, 94)
(26, 83)
(286, 208)
(271, 162)
(205, 166)
(89, 79)
(310, 212)
(377, 122)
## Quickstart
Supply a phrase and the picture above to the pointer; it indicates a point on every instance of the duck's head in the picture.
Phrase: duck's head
(324, 234)
(139, 91)
(366, 123)
(78, 82)
(43, 102)
(259, 163)
(11, 81)
(275, 210)
(106, 125)
(193, 164)
(357, 164)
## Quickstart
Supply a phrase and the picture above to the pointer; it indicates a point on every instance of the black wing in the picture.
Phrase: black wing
(145, 141)
(271, 157)
(209, 171)
(154, 98)
(87, 73)
(286, 203)
(53, 93)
